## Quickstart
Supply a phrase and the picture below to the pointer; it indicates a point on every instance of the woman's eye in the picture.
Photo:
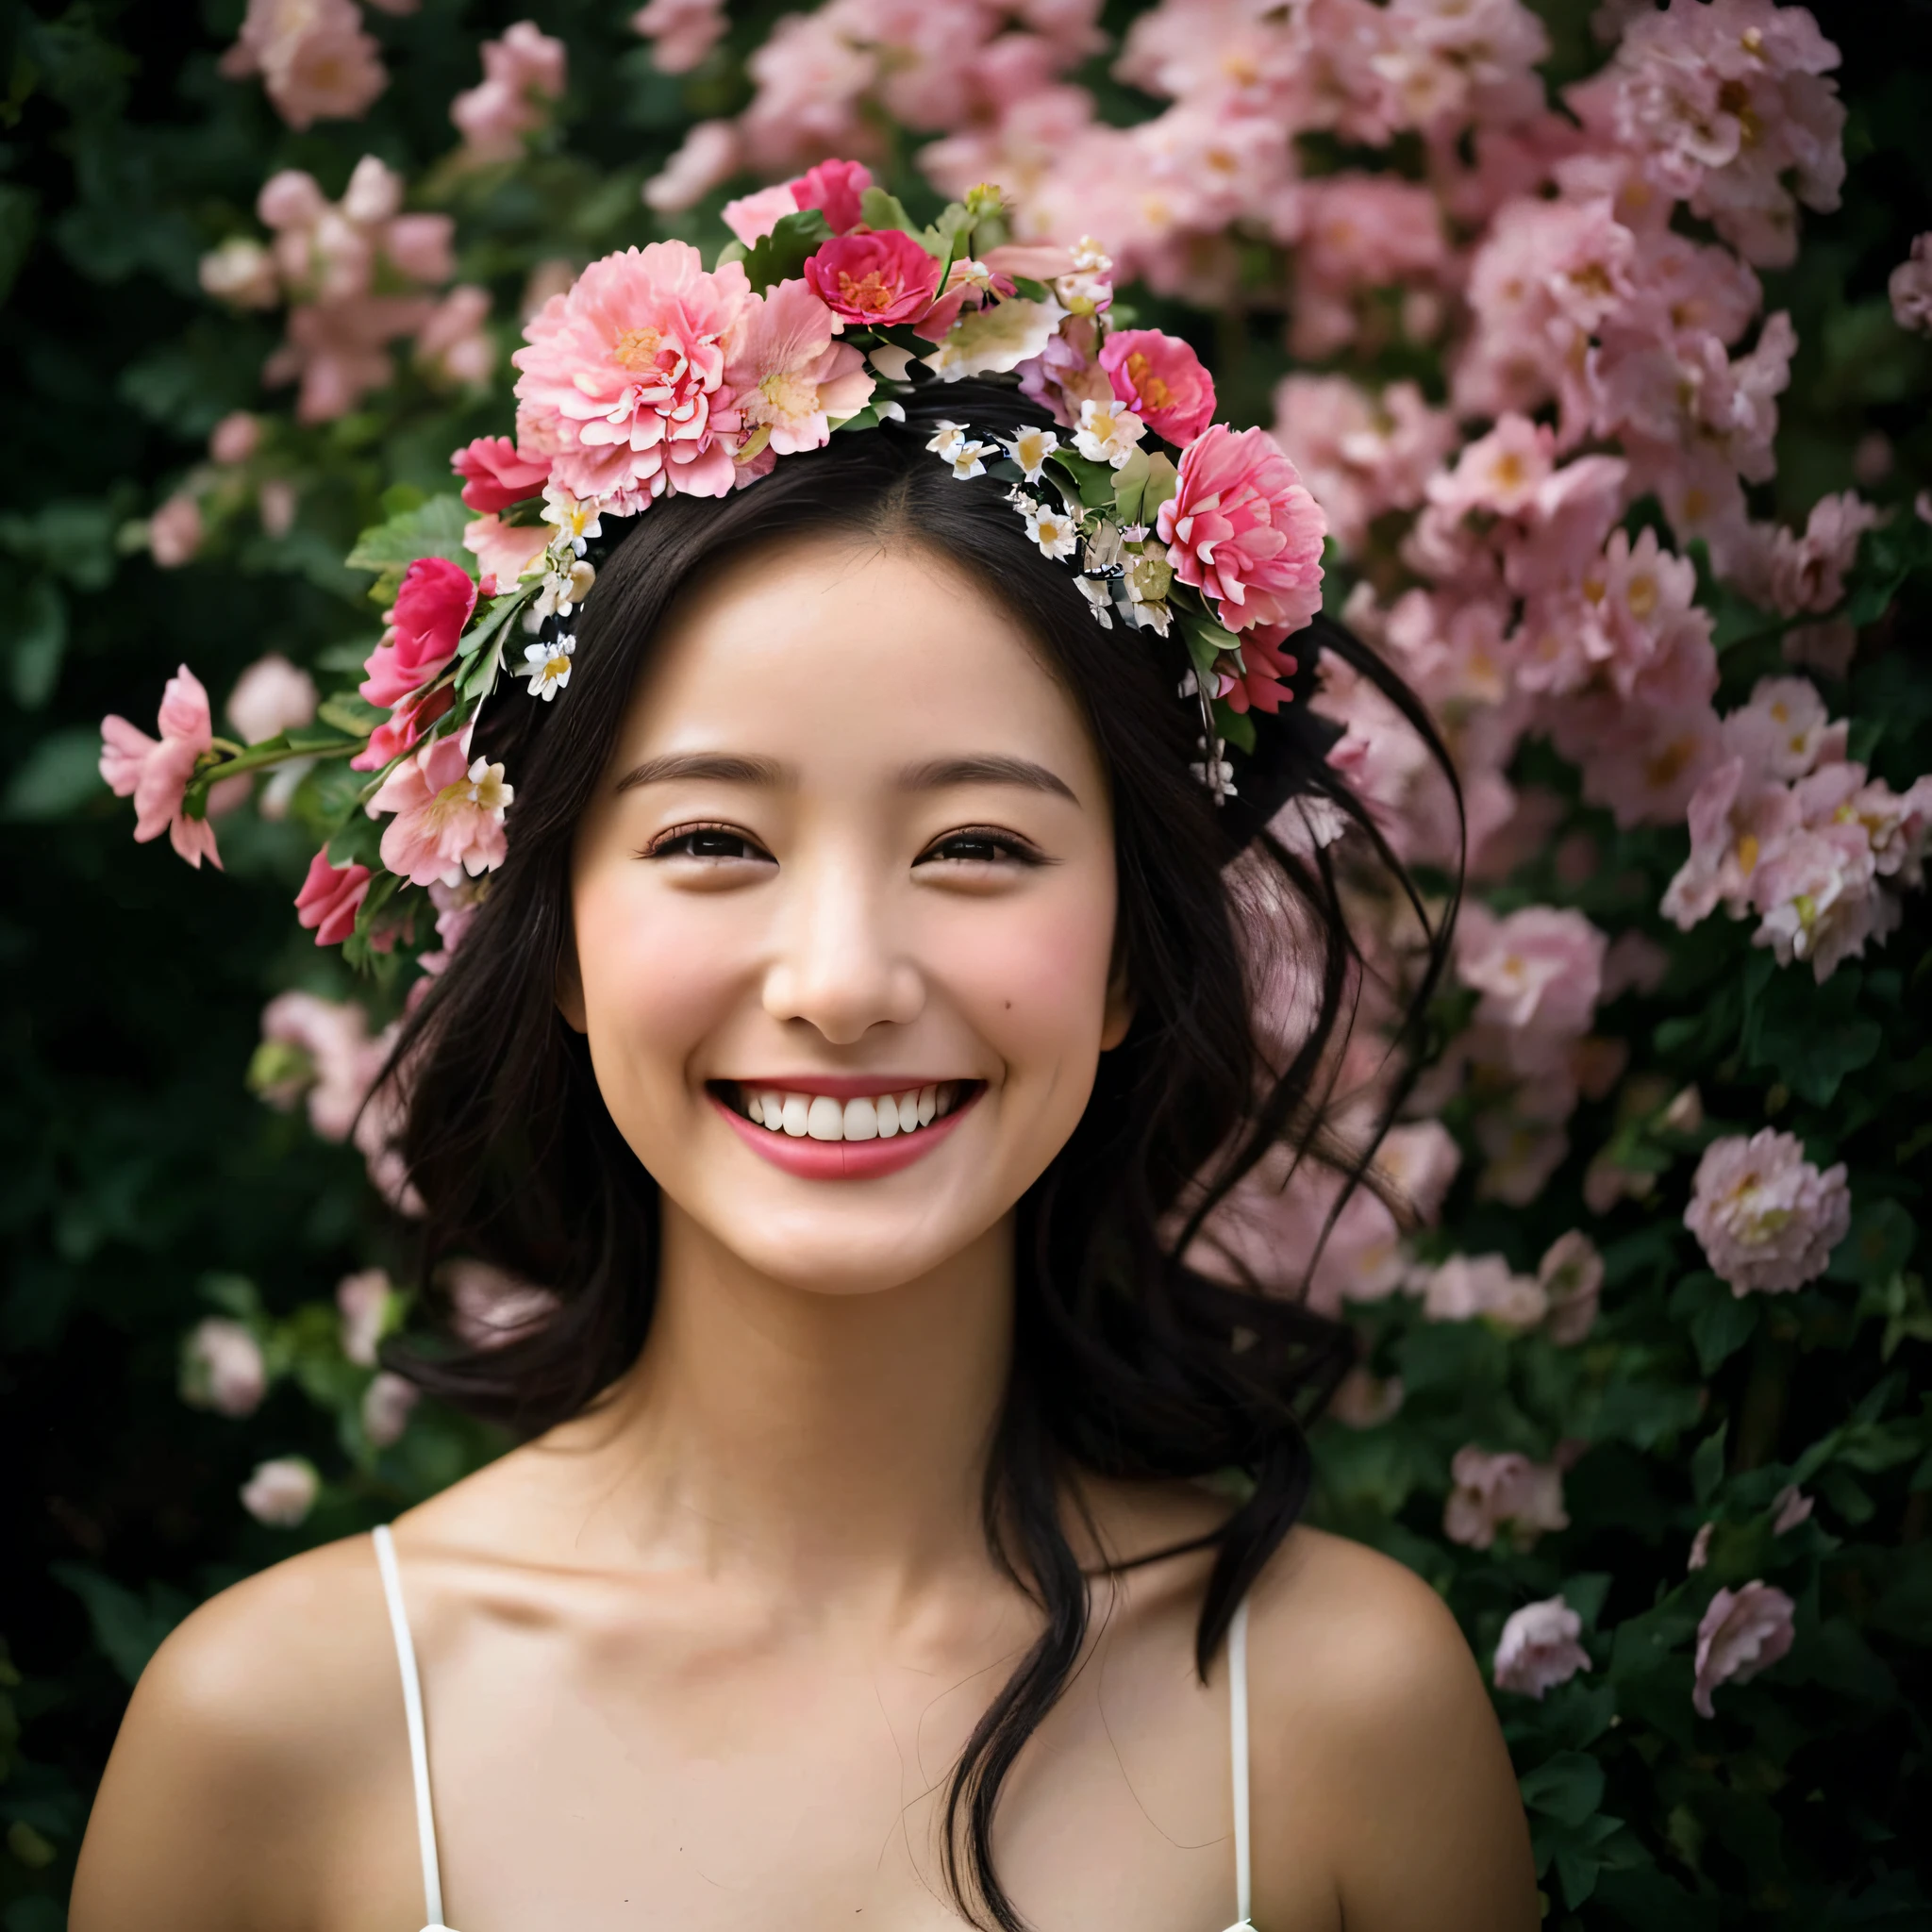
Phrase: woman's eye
(707, 842)
(980, 847)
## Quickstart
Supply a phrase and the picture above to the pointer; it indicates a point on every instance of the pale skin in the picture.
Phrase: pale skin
(703, 1657)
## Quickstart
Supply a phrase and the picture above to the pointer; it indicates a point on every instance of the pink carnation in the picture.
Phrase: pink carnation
(1160, 378)
(1911, 287)
(1243, 527)
(875, 279)
(791, 377)
(1493, 1492)
(1743, 1632)
(624, 377)
(497, 474)
(330, 898)
(155, 772)
(432, 606)
(1538, 1648)
(1766, 1219)
(449, 813)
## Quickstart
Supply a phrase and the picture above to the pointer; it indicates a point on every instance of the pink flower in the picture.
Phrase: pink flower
(387, 1405)
(449, 813)
(1160, 378)
(156, 773)
(1493, 1492)
(1538, 1648)
(1766, 1219)
(790, 379)
(235, 437)
(623, 379)
(1572, 1277)
(1243, 527)
(173, 532)
(681, 32)
(875, 279)
(282, 1491)
(1540, 968)
(330, 898)
(522, 73)
(497, 474)
(222, 1369)
(362, 1301)
(270, 697)
(490, 1309)
(1467, 1288)
(432, 606)
(1911, 286)
(1743, 1632)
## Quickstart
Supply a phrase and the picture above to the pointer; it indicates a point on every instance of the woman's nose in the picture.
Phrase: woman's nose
(842, 964)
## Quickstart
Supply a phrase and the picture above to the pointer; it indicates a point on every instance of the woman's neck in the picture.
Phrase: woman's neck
(821, 1443)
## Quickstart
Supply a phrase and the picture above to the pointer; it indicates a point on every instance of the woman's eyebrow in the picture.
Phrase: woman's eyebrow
(728, 768)
(936, 774)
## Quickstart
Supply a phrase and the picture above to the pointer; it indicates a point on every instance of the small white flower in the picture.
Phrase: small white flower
(946, 440)
(1053, 530)
(969, 459)
(1107, 432)
(1099, 601)
(576, 518)
(1030, 450)
(547, 667)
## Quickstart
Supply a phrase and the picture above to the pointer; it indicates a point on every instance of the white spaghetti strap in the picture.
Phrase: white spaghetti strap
(412, 1711)
(1237, 1732)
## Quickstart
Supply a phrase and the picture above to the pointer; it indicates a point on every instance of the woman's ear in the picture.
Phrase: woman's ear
(570, 985)
(1120, 1010)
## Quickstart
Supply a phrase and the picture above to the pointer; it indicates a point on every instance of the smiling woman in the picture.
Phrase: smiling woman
(854, 1040)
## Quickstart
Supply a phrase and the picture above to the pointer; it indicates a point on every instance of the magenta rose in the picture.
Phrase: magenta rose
(1242, 528)
(329, 899)
(874, 279)
(496, 476)
(431, 610)
(833, 188)
(1161, 381)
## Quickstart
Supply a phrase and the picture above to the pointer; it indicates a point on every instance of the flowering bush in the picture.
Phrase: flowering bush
(1608, 373)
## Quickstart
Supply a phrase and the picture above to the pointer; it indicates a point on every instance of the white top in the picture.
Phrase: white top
(418, 1743)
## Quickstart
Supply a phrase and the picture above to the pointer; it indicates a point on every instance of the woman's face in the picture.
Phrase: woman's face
(844, 913)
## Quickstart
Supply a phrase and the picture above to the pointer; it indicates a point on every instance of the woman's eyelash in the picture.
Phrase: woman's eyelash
(982, 844)
(704, 841)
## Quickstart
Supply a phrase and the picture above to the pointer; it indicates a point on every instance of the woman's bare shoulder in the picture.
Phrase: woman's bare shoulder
(255, 1720)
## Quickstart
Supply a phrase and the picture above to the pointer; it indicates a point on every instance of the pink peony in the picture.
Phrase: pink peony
(1743, 1632)
(282, 1491)
(875, 279)
(173, 532)
(790, 376)
(222, 1369)
(387, 1405)
(1160, 378)
(449, 813)
(1766, 1219)
(362, 1301)
(1911, 287)
(1243, 527)
(1538, 1648)
(154, 774)
(330, 898)
(1538, 970)
(1469, 1287)
(1493, 1492)
(426, 623)
(1572, 1277)
(681, 32)
(270, 697)
(622, 378)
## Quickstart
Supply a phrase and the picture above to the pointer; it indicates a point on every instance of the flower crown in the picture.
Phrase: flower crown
(655, 376)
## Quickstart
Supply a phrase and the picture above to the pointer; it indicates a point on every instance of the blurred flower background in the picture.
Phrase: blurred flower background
(1602, 332)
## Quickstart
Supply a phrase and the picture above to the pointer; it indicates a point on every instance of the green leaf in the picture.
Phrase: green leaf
(780, 256)
(39, 641)
(431, 529)
(1568, 1787)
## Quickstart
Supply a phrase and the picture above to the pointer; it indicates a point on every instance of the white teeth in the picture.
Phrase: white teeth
(870, 1117)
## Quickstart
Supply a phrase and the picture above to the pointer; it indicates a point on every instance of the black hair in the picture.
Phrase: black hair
(1126, 1364)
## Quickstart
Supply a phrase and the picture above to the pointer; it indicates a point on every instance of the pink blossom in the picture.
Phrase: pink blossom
(173, 532)
(1743, 1632)
(282, 1491)
(1540, 1648)
(426, 624)
(497, 474)
(235, 437)
(681, 32)
(222, 1368)
(315, 61)
(1911, 286)
(874, 279)
(490, 1309)
(1572, 1277)
(154, 774)
(1540, 968)
(270, 697)
(522, 73)
(1766, 1219)
(326, 1052)
(1468, 1288)
(622, 378)
(449, 812)
(1494, 1492)
(363, 1301)
(1241, 527)
(790, 376)
(330, 898)
(387, 1405)
(1807, 573)
(1160, 378)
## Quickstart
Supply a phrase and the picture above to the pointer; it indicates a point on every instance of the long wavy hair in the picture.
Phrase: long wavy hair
(1127, 1362)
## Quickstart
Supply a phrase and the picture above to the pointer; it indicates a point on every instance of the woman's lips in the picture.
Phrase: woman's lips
(849, 1160)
